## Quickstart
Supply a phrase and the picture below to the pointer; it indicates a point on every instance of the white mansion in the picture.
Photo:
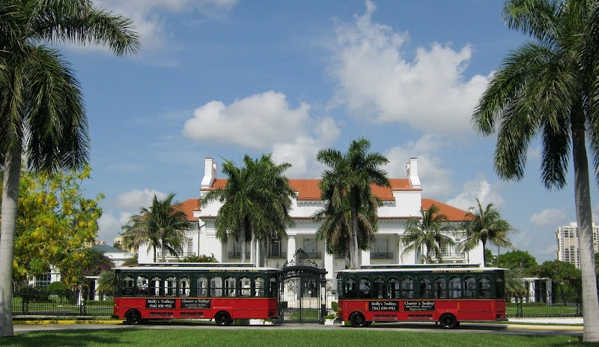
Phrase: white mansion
(402, 201)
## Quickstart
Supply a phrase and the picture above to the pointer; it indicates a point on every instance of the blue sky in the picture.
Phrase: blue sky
(224, 78)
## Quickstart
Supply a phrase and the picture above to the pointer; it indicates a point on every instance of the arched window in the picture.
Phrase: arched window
(155, 285)
(425, 287)
(142, 286)
(440, 287)
(393, 288)
(407, 287)
(216, 286)
(230, 286)
(202, 286)
(273, 287)
(484, 285)
(245, 285)
(184, 286)
(350, 288)
(469, 287)
(259, 286)
(455, 287)
(127, 286)
(170, 286)
(365, 288)
(378, 287)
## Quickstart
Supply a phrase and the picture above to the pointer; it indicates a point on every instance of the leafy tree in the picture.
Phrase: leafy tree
(567, 279)
(485, 225)
(54, 224)
(255, 201)
(514, 285)
(517, 259)
(96, 263)
(427, 234)
(346, 185)
(489, 258)
(163, 224)
(549, 87)
(41, 107)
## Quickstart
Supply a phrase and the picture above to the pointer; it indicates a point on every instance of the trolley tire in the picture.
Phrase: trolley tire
(134, 317)
(357, 320)
(222, 319)
(448, 321)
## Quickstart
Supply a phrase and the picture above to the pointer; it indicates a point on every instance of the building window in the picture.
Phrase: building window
(43, 280)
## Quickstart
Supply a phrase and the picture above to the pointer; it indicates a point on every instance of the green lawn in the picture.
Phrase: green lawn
(279, 337)
(540, 309)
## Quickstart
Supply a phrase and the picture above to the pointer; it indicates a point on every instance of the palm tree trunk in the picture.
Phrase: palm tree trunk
(10, 203)
(484, 253)
(253, 249)
(242, 242)
(265, 251)
(354, 249)
(584, 216)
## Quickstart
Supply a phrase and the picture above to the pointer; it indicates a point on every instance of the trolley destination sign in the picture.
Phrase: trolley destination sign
(160, 303)
(195, 303)
(419, 305)
(384, 306)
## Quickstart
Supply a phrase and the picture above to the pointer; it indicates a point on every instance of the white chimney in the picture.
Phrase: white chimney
(209, 173)
(412, 167)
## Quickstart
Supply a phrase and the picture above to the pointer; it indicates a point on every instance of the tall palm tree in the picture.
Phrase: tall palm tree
(256, 201)
(162, 225)
(335, 227)
(549, 86)
(427, 234)
(346, 184)
(41, 108)
(274, 197)
(485, 226)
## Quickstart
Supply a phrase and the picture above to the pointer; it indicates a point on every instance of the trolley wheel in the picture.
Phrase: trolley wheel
(357, 320)
(222, 319)
(134, 317)
(448, 321)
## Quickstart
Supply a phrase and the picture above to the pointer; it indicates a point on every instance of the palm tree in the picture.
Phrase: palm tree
(335, 227)
(162, 225)
(41, 109)
(427, 234)
(485, 226)
(549, 86)
(346, 185)
(256, 201)
(107, 283)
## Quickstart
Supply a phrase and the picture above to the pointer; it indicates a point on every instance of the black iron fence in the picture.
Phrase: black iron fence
(523, 309)
(42, 302)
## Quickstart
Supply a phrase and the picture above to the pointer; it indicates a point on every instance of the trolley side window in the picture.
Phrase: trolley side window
(128, 286)
(216, 286)
(440, 287)
(378, 288)
(184, 286)
(425, 287)
(259, 286)
(484, 284)
(245, 286)
(202, 286)
(455, 287)
(407, 287)
(393, 287)
(365, 288)
(142, 285)
(350, 288)
(155, 285)
(469, 287)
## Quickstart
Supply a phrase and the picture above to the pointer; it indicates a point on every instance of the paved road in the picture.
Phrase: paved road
(399, 327)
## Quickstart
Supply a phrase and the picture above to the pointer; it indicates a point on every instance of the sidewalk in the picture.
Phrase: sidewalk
(548, 320)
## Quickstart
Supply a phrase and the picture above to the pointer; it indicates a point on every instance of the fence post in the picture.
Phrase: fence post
(519, 309)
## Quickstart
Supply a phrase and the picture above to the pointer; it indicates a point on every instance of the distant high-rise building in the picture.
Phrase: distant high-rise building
(567, 243)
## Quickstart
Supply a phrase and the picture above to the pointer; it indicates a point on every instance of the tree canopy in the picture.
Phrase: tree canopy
(548, 88)
(55, 224)
(345, 188)
(427, 234)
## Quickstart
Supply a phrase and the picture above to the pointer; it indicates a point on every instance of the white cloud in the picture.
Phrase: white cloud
(136, 199)
(149, 16)
(110, 226)
(480, 189)
(435, 178)
(548, 218)
(375, 80)
(256, 122)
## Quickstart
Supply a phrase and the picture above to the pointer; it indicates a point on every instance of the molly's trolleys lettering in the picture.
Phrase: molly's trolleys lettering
(419, 305)
(382, 306)
(160, 303)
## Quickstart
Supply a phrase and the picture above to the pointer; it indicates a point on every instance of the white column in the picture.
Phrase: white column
(329, 264)
(366, 257)
(290, 247)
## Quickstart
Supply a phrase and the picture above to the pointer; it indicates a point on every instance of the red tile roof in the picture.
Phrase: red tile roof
(307, 189)
(189, 206)
(453, 214)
